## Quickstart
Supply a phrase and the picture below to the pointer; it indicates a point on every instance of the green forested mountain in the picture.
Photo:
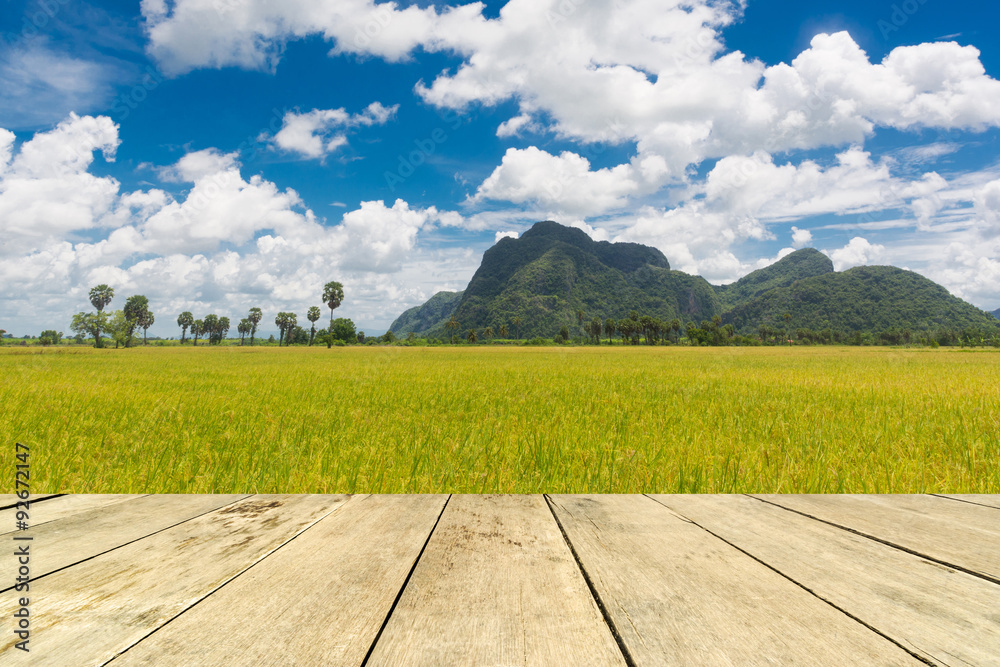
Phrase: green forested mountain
(996, 313)
(432, 314)
(552, 273)
(800, 264)
(865, 298)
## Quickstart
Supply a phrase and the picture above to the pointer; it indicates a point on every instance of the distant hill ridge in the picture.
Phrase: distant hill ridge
(552, 273)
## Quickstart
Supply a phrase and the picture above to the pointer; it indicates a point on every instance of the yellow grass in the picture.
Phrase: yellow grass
(511, 420)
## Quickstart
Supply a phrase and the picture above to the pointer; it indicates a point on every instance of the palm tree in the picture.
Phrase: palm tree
(595, 329)
(579, 318)
(100, 297)
(223, 329)
(313, 315)
(504, 332)
(197, 329)
(281, 321)
(243, 328)
(145, 321)
(184, 320)
(286, 323)
(517, 326)
(471, 336)
(210, 327)
(646, 327)
(451, 325)
(610, 327)
(625, 328)
(333, 295)
(254, 318)
(488, 333)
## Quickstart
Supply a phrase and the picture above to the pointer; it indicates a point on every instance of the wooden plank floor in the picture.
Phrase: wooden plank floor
(508, 580)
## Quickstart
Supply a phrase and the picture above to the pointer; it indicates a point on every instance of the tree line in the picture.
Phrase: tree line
(121, 325)
(636, 329)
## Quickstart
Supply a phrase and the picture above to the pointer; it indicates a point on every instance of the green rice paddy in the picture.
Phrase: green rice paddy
(504, 419)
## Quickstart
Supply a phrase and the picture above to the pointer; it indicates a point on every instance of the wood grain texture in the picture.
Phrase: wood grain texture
(60, 508)
(320, 600)
(87, 613)
(956, 533)
(679, 596)
(497, 585)
(989, 500)
(84, 535)
(941, 614)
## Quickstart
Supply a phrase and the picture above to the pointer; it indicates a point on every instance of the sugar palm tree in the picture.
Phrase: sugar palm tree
(100, 297)
(488, 333)
(517, 326)
(313, 315)
(197, 329)
(451, 325)
(471, 336)
(333, 296)
(610, 327)
(504, 332)
(254, 318)
(243, 328)
(146, 320)
(184, 320)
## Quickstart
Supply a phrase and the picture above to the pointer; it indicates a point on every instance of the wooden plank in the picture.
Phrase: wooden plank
(989, 500)
(959, 534)
(9, 500)
(81, 536)
(320, 600)
(679, 596)
(497, 585)
(61, 507)
(944, 615)
(85, 614)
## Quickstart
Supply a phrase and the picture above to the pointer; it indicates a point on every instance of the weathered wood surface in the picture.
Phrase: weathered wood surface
(943, 615)
(957, 533)
(497, 585)
(679, 596)
(59, 508)
(303, 580)
(84, 535)
(86, 614)
(319, 600)
(8, 500)
(977, 498)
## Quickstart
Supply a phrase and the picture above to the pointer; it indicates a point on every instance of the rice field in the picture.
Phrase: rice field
(504, 419)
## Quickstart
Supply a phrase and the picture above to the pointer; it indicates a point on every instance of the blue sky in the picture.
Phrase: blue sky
(216, 155)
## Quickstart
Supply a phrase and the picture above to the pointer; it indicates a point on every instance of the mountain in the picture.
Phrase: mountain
(996, 313)
(552, 272)
(800, 264)
(865, 298)
(432, 314)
